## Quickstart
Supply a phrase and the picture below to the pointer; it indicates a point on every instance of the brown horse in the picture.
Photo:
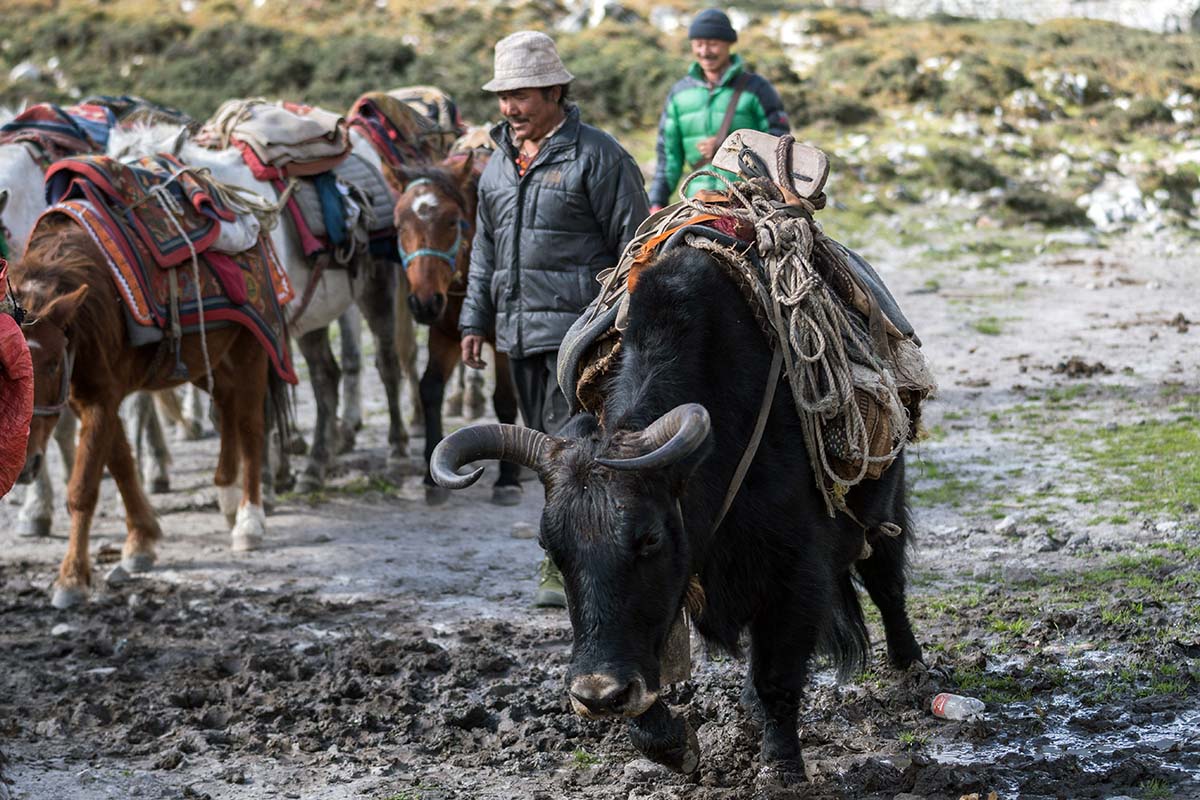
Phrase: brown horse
(435, 223)
(82, 356)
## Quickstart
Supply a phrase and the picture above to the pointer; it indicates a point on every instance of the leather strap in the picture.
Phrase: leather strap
(760, 425)
(739, 86)
(319, 264)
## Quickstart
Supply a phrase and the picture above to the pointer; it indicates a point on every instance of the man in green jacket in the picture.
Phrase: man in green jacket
(696, 107)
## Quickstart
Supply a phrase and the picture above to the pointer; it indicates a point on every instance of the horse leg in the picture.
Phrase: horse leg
(407, 347)
(149, 430)
(37, 512)
(453, 406)
(226, 475)
(378, 303)
(325, 378)
(142, 529)
(350, 330)
(193, 413)
(474, 399)
(247, 405)
(507, 491)
(444, 353)
(98, 425)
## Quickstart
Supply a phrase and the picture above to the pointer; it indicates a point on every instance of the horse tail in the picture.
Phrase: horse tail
(280, 408)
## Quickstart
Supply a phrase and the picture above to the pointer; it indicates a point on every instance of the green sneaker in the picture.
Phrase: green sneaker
(550, 592)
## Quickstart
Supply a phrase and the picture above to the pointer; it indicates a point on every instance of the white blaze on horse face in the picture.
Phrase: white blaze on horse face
(425, 205)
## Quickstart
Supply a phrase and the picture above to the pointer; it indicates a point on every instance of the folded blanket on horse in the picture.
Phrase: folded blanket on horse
(172, 209)
(282, 140)
(248, 289)
(437, 106)
(331, 204)
(400, 133)
(55, 132)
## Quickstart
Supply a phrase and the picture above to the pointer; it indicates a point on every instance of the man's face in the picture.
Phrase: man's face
(530, 112)
(713, 54)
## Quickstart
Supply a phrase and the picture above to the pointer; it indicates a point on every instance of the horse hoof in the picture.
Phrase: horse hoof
(436, 495)
(193, 432)
(307, 484)
(507, 495)
(346, 439)
(67, 597)
(251, 526)
(34, 527)
(296, 446)
(398, 455)
(138, 562)
(161, 485)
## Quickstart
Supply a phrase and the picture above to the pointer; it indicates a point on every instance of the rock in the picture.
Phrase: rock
(1007, 526)
(523, 530)
(1014, 572)
(643, 770)
(1078, 542)
(1166, 527)
(908, 796)
(1041, 543)
(61, 630)
(25, 71)
(117, 576)
(1073, 238)
(1115, 202)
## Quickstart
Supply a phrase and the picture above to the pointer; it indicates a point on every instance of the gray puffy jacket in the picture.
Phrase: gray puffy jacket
(541, 238)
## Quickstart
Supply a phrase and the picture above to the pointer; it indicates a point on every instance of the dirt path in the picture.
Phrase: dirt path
(378, 648)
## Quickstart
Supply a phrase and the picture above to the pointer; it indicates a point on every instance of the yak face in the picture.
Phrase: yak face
(618, 539)
(612, 524)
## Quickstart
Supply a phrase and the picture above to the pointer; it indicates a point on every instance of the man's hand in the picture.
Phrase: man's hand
(472, 351)
(708, 147)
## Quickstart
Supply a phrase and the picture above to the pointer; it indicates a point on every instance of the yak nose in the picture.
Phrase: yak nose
(599, 695)
(427, 311)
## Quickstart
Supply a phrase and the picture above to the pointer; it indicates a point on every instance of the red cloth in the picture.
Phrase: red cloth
(16, 393)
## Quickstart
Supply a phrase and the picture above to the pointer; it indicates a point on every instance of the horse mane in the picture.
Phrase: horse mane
(59, 258)
(439, 175)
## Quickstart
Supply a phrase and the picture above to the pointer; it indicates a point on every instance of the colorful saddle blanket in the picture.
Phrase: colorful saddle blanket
(168, 206)
(130, 108)
(55, 132)
(118, 205)
(399, 133)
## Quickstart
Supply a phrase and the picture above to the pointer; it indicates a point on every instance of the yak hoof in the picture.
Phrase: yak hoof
(250, 529)
(779, 776)
(666, 739)
(436, 495)
(138, 562)
(507, 495)
(39, 527)
(67, 597)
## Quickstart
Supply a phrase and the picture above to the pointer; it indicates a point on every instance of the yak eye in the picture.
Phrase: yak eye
(650, 543)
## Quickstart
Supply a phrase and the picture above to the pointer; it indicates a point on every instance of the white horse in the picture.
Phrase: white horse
(372, 291)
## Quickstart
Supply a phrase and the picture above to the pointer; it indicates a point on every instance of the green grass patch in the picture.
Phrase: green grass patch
(988, 326)
(582, 758)
(1153, 467)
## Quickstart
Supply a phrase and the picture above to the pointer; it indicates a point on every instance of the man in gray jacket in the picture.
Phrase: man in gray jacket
(557, 203)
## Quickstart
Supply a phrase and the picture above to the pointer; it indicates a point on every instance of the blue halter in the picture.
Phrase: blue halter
(449, 256)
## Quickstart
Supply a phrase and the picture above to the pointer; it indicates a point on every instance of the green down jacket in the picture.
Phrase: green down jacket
(694, 112)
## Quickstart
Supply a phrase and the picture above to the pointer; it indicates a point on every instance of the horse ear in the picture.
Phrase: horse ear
(397, 177)
(3, 200)
(462, 170)
(63, 309)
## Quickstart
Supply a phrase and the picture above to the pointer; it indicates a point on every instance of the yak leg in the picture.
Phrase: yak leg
(350, 330)
(883, 576)
(444, 353)
(379, 305)
(665, 738)
(325, 378)
(507, 490)
(407, 349)
(99, 424)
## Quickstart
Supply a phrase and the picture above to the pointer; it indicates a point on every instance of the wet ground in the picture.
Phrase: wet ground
(381, 649)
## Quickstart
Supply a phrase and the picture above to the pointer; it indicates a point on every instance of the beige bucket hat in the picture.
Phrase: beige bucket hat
(527, 60)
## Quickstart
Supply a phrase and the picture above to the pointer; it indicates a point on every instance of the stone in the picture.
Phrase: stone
(1077, 542)
(60, 630)
(1014, 572)
(643, 770)
(1041, 543)
(523, 530)
(117, 576)
(1073, 238)
(1007, 526)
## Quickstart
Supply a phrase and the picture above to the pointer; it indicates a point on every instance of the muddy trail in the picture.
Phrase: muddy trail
(378, 648)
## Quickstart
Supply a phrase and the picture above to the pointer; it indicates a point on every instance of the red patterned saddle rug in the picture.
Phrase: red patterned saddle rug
(55, 132)
(116, 205)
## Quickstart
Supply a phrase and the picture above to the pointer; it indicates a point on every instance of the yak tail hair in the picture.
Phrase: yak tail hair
(845, 640)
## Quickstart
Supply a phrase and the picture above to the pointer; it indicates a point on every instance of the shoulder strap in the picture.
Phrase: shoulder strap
(739, 86)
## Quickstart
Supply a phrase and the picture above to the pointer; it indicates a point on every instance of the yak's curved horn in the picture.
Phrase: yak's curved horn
(671, 438)
(513, 443)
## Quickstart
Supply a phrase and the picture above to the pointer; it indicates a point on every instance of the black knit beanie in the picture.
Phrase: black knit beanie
(712, 24)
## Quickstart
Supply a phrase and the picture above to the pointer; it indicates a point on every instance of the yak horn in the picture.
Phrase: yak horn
(671, 438)
(513, 443)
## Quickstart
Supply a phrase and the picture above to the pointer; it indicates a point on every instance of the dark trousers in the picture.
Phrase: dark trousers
(543, 406)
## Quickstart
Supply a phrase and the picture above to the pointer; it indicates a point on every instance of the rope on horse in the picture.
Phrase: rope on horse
(823, 345)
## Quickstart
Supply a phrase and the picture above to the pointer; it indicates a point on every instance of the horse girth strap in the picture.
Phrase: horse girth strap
(760, 426)
(318, 270)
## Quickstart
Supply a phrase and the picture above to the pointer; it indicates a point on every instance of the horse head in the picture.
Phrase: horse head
(435, 223)
(145, 138)
(48, 335)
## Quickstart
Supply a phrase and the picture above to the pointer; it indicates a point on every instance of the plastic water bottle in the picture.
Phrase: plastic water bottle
(956, 707)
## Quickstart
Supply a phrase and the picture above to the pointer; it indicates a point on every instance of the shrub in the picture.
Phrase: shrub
(1025, 203)
(958, 169)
